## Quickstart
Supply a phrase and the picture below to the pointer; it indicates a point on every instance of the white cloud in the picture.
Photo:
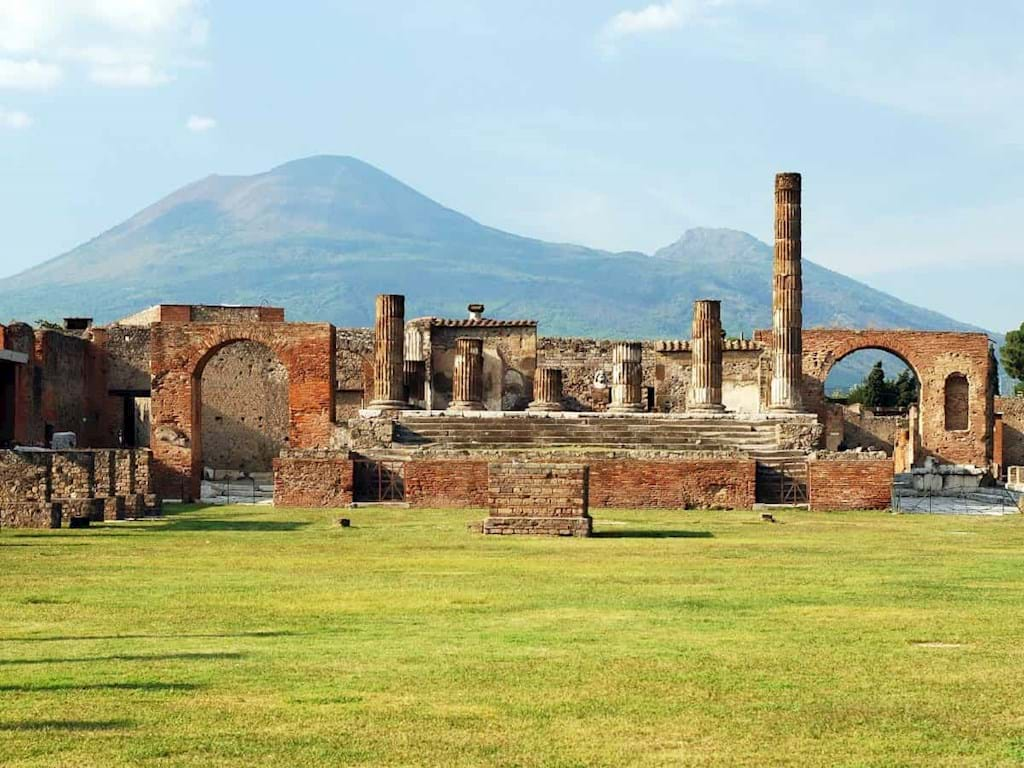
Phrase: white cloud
(200, 124)
(116, 43)
(29, 75)
(14, 119)
(656, 17)
(129, 76)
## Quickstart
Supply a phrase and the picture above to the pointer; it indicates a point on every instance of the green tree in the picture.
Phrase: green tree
(874, 387)
(907, 389)
(1013, 357)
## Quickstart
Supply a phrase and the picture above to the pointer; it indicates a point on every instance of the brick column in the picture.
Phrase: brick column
(627, 378)
(706, 367)
(787, 298)
(468, 376)
(547, 390)
(389, 352)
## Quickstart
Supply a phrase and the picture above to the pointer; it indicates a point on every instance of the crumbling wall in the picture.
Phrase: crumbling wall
(245, 408)
(127, 348)
(1012, 409)
(353, 371)
(741, 375)
(585, 362)
(862, 428)
(43, 489)
(510, 360)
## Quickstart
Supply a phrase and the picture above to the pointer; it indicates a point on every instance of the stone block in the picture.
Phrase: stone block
(88, 509)
(29, 514)
(533, 498)
(113, 508)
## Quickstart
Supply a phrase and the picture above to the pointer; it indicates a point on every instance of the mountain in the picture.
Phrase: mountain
(322, 235)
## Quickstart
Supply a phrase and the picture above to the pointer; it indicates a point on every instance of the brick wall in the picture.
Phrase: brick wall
(313, 479)
(1012, 409)
(179, 353)
(440, 483)
(673, 484)
(537, 498)
(39, 489)
(845, 484)
(628, 483)
(934, 356)
(245, 408)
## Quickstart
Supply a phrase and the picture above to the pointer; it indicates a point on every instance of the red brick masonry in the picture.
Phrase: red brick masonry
(313, 480)
(533, 498)
(631, 483)
(440, 483)
(845, 485)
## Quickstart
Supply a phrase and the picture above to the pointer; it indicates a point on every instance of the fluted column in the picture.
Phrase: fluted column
(389, 352)
(627, 377)
(706, 361)
(468, 375)
(547, 390)
(787, 298)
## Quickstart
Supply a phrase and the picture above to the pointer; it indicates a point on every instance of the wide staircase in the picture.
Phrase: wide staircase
(781, 473)
(629, 432)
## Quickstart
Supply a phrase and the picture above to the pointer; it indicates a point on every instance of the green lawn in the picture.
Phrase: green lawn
(259, 636)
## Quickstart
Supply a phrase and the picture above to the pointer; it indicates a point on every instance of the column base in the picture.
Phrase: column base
(538, 405)
(388, 405)
(466, 405)
(706, 408)
(785, 410)
(626, 408)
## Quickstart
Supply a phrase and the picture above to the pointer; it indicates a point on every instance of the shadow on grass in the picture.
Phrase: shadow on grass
(146, 686)
(186, 519)
(66, 725)
(121, 657)
(652, 534)
(151, 636)
(265, 526)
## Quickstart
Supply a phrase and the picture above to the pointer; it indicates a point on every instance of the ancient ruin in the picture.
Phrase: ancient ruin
(431, 411)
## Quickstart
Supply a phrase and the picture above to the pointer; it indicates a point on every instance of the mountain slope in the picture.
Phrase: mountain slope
(321, 236)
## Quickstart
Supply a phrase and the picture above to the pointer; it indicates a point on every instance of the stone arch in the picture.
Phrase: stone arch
(956, 403)
(933, 356)
(180, 352)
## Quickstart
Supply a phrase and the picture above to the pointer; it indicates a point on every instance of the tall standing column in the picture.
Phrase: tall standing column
(627, 378)
(706, 362)
(468, 375)
(389, 352)
(547, 390)
(787, 298)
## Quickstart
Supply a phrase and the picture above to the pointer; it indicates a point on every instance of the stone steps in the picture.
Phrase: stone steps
(620, 432)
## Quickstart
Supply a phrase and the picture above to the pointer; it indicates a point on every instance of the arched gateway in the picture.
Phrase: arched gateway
(954, 372)
(179, 353)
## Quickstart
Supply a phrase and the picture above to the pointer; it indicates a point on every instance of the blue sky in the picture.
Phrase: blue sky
(606, 122)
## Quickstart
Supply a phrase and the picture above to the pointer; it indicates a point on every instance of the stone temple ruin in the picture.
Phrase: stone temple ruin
(235, 403)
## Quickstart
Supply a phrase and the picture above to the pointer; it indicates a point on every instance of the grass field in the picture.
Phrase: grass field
(259, 636)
